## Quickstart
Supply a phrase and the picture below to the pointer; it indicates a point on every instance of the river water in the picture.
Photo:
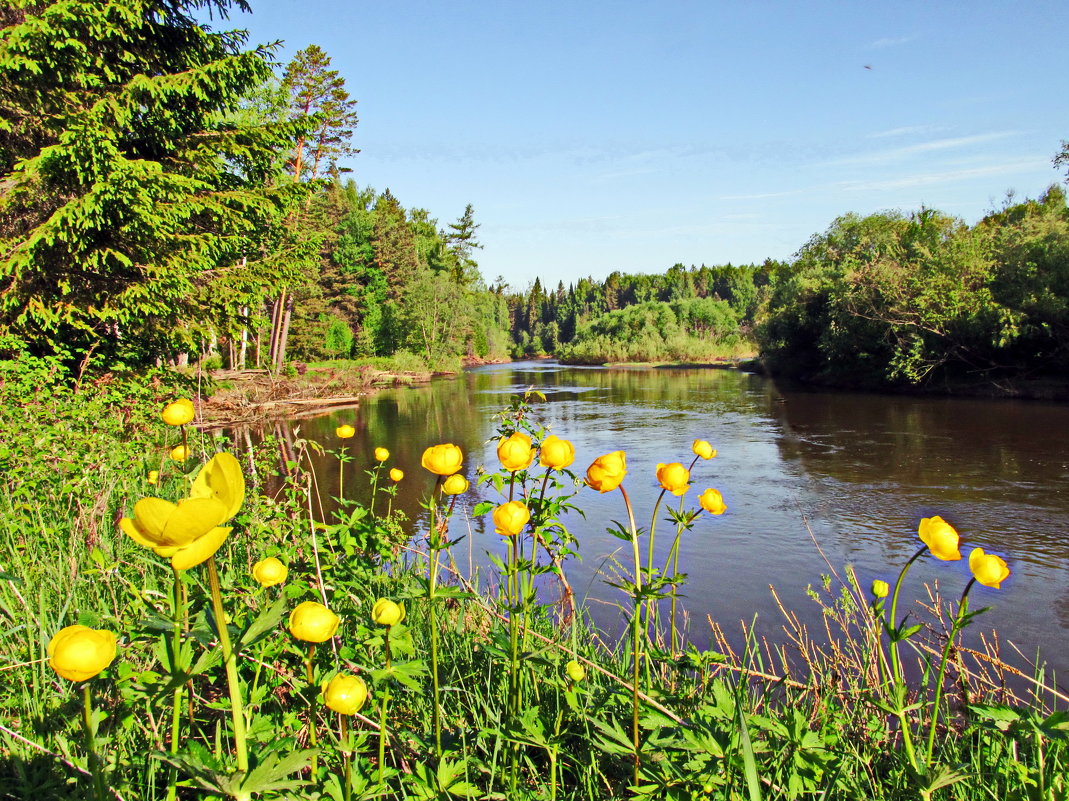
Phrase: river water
(811, 479)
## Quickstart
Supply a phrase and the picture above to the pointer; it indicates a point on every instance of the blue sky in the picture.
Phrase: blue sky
(598, 136)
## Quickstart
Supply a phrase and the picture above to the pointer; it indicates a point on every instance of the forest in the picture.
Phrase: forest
(169, 195)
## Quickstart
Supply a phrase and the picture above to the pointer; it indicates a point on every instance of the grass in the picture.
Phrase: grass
(818, 714)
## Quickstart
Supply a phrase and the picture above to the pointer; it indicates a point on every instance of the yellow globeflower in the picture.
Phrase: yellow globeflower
(443, 460)
(510, 518)
(179, 453)
(381, 454)
(153, 476)
(269, 572)
(178, 413)
(191, 530)
(396, 474)
(712, 502)
(77, 653)
(387, 613)
(455, 485)
(312, 622)
(345, 432)
(703, 449)
(940, 537)
(515, 452)
(674, 477)
(556, 453)
(576, 672)
(345, 694)
(880, 589)
(607, 472)
(988, 569)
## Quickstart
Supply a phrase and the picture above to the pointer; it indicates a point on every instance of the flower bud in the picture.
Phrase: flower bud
(153, 476)
(712, 501)
(674, 477)
(312, 622)
(269, 572)
(988, 569)
(178, 413)
(345, 694)
(455, 485)
(576, 672)
(381, 454)
(556, 453)
(607, 472)
(442, 460)
(880, 589)
(396, 474)
(179, 453)
(77, 653)
(515, 452)
(387, 613)
(345, 432)
(510, 518)
(940, 537)
(703, 449)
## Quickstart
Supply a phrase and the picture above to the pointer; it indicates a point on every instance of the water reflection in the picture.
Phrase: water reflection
(848, 472)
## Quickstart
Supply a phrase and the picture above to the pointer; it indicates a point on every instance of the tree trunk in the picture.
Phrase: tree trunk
(284, 332)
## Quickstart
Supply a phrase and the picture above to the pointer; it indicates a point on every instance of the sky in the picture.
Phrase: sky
(599, 136)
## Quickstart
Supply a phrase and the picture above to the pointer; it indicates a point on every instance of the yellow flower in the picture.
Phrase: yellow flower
(443, 460)
(269, 572)
(703, 449)
(312, 622)
(178, 413)
(940, 537)
(674, 477)
(510, 518)
(153, 476)
(575, 671)
(988, 569)
(190, 531)
(179, 453)
(515, 452)
(607, 472)
(455, 485)
(396, 474)
(381, 454)
(387, 613)
(880, 589)
(712, 502)
(345, 432)
(77, 653)
(556, 453)
(345, 694)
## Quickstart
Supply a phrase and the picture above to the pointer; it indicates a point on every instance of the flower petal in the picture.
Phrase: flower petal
(194, 518)
(151, 516)
(221, 478)
(201, 549)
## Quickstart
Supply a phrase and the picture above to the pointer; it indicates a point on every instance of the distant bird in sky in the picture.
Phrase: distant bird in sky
(868, 66)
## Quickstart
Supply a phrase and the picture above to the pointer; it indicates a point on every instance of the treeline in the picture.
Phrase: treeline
(897, 299)
(685, 314)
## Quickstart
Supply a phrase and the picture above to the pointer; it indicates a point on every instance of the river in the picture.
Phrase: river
(810, 478)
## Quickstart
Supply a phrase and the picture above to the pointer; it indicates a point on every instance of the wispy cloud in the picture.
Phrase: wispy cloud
(892, 41)
(922, 147)
(762, 195)
(932, 178)
(903, 131)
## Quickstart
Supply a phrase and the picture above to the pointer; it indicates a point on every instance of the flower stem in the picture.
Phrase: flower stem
(177, 616)
(433, 544)
(896, 663)
(382, 715)
(341, 477)
(955, 627)
(230, 661)
(347, 766)
(635, 635)
(90, 742)
(309, 672)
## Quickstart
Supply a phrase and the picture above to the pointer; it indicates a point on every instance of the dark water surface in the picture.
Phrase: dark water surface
(857, 471)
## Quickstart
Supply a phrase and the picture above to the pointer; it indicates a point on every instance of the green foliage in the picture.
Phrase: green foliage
(692, 330)
(136, 212)
(892, 299)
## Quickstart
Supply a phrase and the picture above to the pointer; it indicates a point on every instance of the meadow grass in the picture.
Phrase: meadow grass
(476, 693)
